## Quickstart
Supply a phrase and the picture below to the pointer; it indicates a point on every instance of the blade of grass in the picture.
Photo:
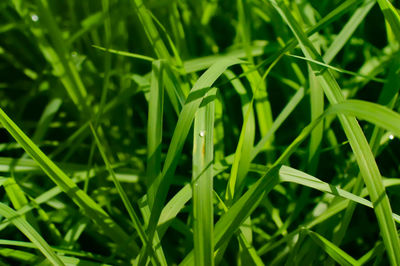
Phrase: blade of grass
(336, 253)
(347, 31)
(18, 199)
(392, 17)
(154, 128)
(381, 116)
(326, 20)
(338, 69)
(124, 53)
(202, 178)
(241, 161)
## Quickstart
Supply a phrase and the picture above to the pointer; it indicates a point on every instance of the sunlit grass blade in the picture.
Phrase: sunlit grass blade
(240, 210)
(46, 118)
(173, 207)
(151, 31)
(338, 69)
(125, 53)
(19, 200)
(242, 155)
(336, 253)
(347, 31)
(387, 98)
(202, 181)
(392, 17)
(381, 116)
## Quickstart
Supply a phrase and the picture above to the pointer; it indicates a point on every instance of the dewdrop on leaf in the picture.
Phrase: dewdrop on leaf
(391, 136)
(35, 18)
(202, 133)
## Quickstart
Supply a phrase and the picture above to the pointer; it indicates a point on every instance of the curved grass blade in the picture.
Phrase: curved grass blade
(387, 97)
(336, 253)
(377, 114)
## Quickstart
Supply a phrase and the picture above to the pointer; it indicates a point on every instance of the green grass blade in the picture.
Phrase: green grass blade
(387, 97)
(392, 17)
(154, 128)
(242, 157)
(344, 71)
(124, 53)
(336, 253)
(347, 31)
(19, 200)
(288, 174)
(151, 30)
(381, 116)
(173, 207)
(202, 178)
(46, 118)
(162, 182)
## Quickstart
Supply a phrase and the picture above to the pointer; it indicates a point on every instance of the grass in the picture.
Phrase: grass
(248, 132)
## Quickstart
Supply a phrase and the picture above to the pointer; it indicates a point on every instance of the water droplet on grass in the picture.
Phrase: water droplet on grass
(391, 136)
(35, 18)
(202, 133)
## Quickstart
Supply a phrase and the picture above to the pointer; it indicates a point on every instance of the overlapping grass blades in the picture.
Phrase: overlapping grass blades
(364, 156)
(31, 233)
(90, 207)
(196, 96)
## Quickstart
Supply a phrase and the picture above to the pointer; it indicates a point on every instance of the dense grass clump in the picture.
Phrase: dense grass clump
(247, 132)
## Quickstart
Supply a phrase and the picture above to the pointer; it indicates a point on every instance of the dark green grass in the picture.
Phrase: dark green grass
(248, 132)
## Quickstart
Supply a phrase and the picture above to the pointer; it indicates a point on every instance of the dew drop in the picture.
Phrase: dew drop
(391, 136)
(35, 18)
(202, 133)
